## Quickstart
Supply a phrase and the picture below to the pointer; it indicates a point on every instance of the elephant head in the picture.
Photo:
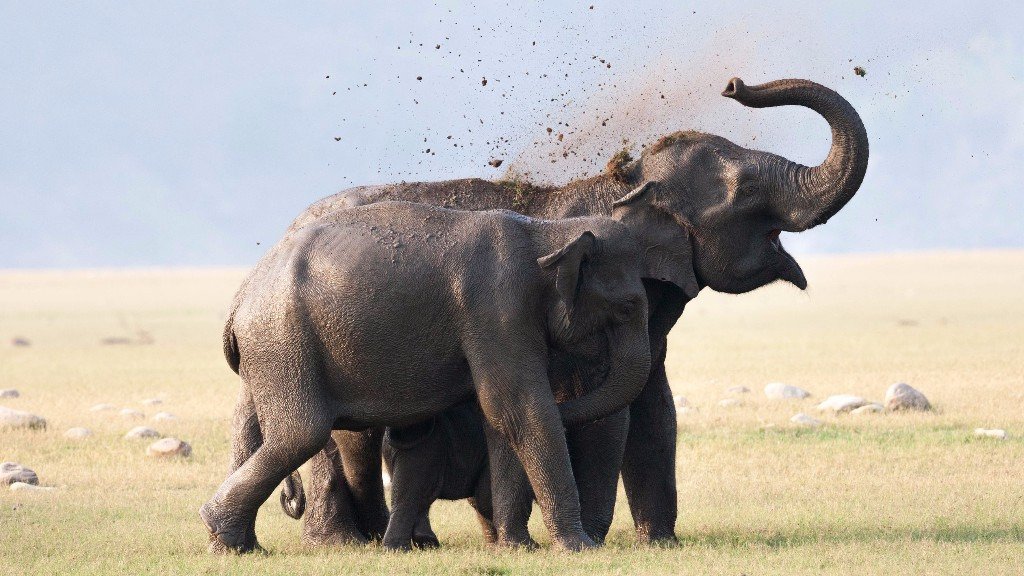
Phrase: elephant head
(734, 202)
(600, 314)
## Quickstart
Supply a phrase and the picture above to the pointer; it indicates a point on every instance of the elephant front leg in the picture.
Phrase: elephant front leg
(509, 499)
(330, 513)
(361, 461)
(649, 463)
(596, 450)
(518, 403)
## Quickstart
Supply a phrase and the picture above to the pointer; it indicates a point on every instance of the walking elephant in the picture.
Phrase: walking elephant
(730, 202)
(388, 314)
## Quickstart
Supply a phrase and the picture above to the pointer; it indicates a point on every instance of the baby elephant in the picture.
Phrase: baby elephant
(444, 458)
(388, 314)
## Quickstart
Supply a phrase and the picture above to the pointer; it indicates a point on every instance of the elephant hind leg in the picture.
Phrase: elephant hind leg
(293, 430)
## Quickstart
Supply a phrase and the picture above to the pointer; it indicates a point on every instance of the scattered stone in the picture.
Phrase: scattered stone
(11, 472)
(386, 478)
(990, 433)
(17, 419)
(870, 408)
(77, 433)
(163, 416)
(805, 420)
(779, 391)
(141, 432)
(729, 403)
(496, 162)
(842, 403)
(9, 393)
(738, 390)
(167, 447)
(19, 342)
(23, 487)
(902, 396)
(686, 411)
(152, 402)
(680, 401)
(102, 408)
(132, 413)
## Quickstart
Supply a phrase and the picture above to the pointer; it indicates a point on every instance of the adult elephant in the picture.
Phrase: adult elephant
(732, 202)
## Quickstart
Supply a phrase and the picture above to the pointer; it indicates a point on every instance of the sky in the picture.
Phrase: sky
(191, 134)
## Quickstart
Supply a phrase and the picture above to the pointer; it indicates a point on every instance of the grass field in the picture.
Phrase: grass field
(877, 494)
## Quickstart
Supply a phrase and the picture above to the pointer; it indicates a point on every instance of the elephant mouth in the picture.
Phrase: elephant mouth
(789, 269)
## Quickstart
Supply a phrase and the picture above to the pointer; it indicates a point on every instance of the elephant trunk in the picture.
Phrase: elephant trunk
(630, 368)
(808, 196)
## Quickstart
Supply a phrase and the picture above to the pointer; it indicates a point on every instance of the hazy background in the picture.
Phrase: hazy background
(192, 133)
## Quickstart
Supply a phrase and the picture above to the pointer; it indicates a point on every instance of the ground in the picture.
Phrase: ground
(882, 494)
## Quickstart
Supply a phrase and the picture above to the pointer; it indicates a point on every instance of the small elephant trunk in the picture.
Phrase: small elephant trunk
(630, 369)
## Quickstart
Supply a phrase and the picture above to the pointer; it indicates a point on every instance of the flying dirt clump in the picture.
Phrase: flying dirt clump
(616, 167)
(859, 71)
(495, 162)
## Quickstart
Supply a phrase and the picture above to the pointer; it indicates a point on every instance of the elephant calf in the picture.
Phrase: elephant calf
(388, 314)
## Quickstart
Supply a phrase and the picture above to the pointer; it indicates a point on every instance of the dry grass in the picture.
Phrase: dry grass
(885, 494)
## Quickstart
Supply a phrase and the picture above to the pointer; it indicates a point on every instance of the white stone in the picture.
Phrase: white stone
(729, 403)
(842, 403)
(152, 402)
(990, 433)
(686, 411)
(163, 416)
(102, 408)
(680, 401)
(738, 390)
(23, 487)
(779, 391)
(11, 472)
(132, 413)
(902, 396)
(141, 432)
(869, 408)
(77, 433)
(805, 420)
(17, 419)
(9, 393)
(386, 478)
(166, 447)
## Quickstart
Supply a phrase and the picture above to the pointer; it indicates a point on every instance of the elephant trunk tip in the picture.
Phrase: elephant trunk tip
(733, 88)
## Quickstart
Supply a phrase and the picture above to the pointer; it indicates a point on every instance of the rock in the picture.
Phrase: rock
(77, 433)
(11, 472)
(167, 447)
(686, 411)
(842, 403)
(152, 402)
(990, 433)
(23, 487)
(9, 393)
(132, 413)
(163, 416)
(870, 408)
(729, 403)
(19, 342)
(805, 420)
(102, 408)
(141, 432)
(738, 390)
(17, 419)
(386, 478)
(902, 396)
(779, 391)
(680, 401)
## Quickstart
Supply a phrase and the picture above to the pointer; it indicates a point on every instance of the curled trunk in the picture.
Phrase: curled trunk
(630, 367)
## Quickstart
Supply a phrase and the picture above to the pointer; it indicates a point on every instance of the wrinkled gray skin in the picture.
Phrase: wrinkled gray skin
(731, 202)
(387, 314)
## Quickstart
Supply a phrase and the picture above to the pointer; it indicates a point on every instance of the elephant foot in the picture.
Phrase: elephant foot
(662, 538)
(426, 541)
(515, 542)
(334, 538)
(575, 543)
(227, 535)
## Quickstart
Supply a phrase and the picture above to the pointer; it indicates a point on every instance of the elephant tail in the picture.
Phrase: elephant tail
(293, 497)
(231, 343)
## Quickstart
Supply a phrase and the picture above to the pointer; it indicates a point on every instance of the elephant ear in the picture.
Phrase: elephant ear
(570, 261)
(668, 253)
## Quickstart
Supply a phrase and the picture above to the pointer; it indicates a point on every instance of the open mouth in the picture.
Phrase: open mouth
(795, 275)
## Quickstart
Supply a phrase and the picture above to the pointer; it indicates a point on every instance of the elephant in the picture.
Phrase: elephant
(390, 313)
(731, 203)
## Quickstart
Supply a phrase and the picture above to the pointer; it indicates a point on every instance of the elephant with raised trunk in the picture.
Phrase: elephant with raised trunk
(730, 202)
(388, 314)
